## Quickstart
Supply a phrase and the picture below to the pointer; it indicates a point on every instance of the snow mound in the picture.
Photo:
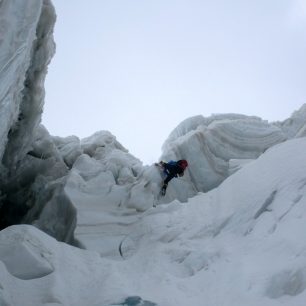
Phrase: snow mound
(43, 271)
(24, 256)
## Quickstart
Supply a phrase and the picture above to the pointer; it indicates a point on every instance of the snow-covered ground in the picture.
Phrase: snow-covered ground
(239, 244)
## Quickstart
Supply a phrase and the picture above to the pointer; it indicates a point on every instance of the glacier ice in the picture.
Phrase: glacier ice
(236, 214)
(33, 163)
(26, 52)
(213, 142)
(30, 160)
(295, 126)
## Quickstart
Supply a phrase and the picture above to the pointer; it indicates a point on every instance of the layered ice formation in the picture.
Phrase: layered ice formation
(82, 222)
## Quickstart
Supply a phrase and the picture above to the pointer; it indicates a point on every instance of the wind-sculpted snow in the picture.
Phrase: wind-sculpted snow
(250, 229)
(192, 123)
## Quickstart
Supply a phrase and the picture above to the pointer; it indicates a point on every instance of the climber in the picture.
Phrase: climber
(172, 169)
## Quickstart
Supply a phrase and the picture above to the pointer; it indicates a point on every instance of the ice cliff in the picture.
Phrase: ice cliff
(29, 161)
(27, 46)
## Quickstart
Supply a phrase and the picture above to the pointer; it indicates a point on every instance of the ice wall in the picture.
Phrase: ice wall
(26, 31)
(219, 145)
(211, 144)
(32, 170)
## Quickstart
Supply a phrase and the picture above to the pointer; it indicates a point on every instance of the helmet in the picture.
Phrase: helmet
(183, 163)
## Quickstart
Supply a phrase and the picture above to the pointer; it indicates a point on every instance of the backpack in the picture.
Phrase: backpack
(172, 163)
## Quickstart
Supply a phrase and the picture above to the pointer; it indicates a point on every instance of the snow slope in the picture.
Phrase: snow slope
(239, 244)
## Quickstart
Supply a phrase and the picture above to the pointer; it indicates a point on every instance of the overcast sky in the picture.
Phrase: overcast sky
(137, 68)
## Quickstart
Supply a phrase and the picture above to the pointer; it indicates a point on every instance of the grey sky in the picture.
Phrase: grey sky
(139, 67)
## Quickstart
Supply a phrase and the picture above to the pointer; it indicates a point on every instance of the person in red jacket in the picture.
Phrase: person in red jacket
(172, 169)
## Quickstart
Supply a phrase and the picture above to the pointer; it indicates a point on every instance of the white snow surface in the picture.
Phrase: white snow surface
(240, 244)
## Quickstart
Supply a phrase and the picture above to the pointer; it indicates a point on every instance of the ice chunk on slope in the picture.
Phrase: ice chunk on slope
(78, 278)
(69, 148)
(24, 257)
(101, 140)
